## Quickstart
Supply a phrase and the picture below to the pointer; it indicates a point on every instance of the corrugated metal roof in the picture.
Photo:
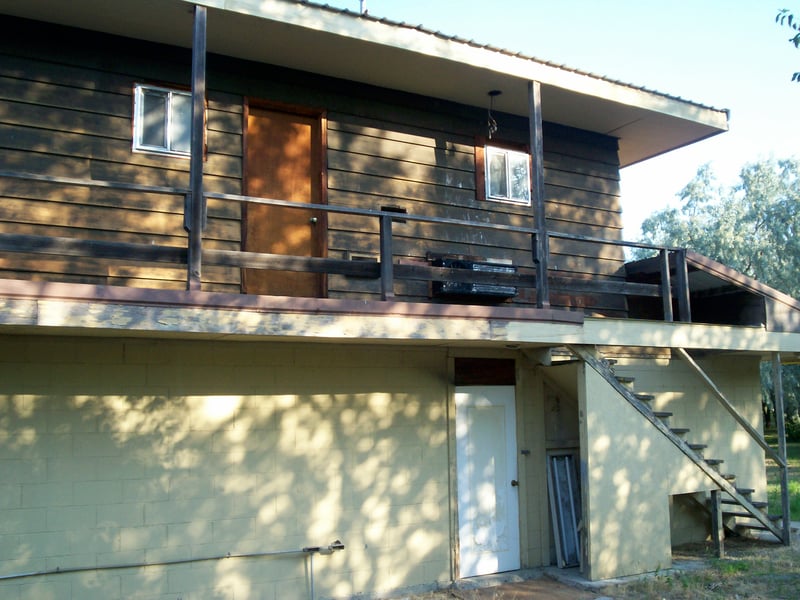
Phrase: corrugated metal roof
(314, 37)
(491, 48)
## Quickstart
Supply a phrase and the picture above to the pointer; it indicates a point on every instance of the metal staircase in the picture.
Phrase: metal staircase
(737, 502)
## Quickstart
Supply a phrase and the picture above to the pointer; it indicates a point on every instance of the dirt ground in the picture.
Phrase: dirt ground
(541, 588)
(534, 589)
(752, 570)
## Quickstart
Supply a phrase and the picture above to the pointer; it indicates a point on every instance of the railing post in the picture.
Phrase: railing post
(666, 285)
(387, 268)
(682, 284)
(541, 240)
(780, 423)
(717, 524)
(195, 206)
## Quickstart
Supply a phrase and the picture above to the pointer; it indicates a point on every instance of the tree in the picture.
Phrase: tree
(752, 226)
(787, 19)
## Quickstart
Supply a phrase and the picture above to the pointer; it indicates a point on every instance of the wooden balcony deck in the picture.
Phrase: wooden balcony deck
(386, 272)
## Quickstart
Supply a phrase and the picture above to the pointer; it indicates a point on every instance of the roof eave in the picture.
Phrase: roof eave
(342, 44)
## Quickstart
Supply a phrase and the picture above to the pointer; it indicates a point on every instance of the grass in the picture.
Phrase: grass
(752, 570)
(773, 478)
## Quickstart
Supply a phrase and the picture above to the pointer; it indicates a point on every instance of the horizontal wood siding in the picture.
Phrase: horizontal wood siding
(67, 115)
(582, 197)
(67, 112)
(373, 163)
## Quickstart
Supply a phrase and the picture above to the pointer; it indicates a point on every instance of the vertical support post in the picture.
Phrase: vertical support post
(666, 285)
(311, 574)
(780, 422)
(387, 268)
(717, 527)
(541, 255)
(682, 283)
(195, 207)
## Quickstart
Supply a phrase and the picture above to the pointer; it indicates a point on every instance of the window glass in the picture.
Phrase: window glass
(154, 119)
(180, 129)
(162, 120)
(520, 177)
(498, 183)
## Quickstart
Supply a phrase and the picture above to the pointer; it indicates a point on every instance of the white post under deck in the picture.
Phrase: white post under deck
(780, 421)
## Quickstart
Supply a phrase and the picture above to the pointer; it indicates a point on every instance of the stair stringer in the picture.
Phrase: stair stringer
(600, 366)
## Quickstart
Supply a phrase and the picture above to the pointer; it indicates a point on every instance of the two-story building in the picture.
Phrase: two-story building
(297, 302)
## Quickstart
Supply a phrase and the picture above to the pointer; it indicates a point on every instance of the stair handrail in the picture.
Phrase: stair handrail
(600, 367)
(752, 431)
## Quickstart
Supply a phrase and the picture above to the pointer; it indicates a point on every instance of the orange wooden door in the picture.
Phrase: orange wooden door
(283, 161)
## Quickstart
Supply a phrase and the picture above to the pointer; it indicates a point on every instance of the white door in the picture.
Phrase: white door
(486, 459)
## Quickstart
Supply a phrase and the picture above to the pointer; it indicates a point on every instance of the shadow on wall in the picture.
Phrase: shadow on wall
(142, 451)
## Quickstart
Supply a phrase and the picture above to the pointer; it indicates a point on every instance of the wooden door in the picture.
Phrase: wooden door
(486, 461)
(283, 161)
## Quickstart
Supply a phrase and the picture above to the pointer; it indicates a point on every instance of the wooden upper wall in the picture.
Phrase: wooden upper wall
(65, 109)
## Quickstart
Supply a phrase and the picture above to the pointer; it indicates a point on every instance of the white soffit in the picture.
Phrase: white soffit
(342, 44)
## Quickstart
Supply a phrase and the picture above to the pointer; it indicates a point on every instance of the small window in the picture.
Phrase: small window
(508, 177)
(162, 120)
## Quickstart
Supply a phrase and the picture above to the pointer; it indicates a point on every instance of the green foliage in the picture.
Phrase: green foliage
(774, 498)
(793, 429)
(753, 226)
(785, 18)
(790, 375)
(774, 473)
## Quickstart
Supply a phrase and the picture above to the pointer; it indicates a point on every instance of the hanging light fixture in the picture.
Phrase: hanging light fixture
(491, 123)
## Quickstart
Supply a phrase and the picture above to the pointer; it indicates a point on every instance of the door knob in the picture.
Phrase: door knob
(514, 483)
(313, 220)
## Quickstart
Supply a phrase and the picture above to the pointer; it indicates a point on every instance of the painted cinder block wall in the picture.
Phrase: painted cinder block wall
(631, 474)
(116, 451)
(130, 451)
(679, 390)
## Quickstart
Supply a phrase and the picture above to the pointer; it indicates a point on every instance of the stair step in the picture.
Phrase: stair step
(662, 414)
(732, 501)
(698, 449)
(714, 462)
(644, 397)
(744, 491)
(747, 515)
(729, 476)
(753, 527)
(624, 379)
(680, 431)
(737, 514)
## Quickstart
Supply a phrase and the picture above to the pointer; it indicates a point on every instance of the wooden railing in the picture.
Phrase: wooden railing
(386, 269)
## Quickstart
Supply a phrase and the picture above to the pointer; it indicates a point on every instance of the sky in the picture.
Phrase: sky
(727, 54)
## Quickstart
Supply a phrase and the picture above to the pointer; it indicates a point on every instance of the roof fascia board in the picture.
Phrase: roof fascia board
(426, 43)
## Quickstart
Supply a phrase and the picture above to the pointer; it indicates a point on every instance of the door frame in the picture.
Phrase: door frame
(321, 115)
(512, 472)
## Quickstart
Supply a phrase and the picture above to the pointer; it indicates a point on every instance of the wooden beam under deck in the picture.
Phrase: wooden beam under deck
(92, 310)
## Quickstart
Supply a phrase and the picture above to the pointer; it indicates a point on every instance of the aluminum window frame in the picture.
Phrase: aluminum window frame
(168, 147)
(508, 153)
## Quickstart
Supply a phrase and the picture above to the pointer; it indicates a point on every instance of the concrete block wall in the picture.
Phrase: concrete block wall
(628, 474)
(680, 390)
(116, 451)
